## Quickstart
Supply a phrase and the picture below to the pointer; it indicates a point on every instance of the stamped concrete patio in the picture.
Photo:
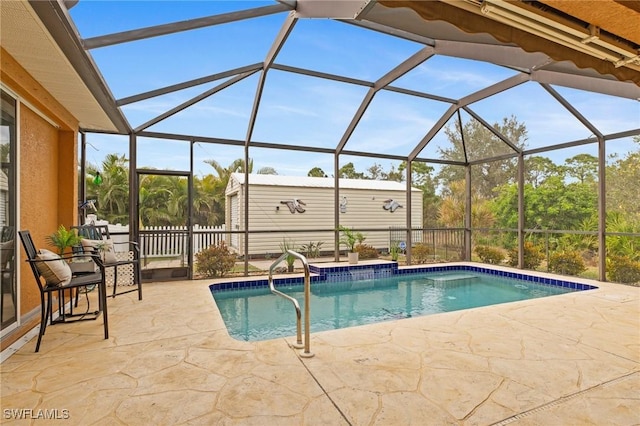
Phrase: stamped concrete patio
(572, 359)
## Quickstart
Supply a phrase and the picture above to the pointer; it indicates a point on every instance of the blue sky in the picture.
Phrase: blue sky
(302, 110)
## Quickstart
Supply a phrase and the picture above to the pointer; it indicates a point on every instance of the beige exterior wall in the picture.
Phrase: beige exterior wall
(364, 211)
(48, 176)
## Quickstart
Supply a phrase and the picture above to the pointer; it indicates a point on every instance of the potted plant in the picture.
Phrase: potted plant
(64, 238)
(349, 238)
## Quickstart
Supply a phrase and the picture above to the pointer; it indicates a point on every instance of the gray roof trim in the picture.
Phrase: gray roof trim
(611, 87)
(174, 27)
(187, 84)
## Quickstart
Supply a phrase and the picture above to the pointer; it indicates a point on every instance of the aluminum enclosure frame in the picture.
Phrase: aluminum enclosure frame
(530, 67)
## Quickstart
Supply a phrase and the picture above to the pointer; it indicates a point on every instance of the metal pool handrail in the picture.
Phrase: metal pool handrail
(307, 295)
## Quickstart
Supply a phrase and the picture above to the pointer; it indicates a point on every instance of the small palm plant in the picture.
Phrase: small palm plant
(285, 246)
(350, 238)
(394, 250)
(64, 238)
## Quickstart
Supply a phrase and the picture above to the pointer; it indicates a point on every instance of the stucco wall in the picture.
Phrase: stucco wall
(38, 190)
(47, 176)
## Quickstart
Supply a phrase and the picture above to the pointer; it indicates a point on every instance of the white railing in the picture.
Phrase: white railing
(169, 241)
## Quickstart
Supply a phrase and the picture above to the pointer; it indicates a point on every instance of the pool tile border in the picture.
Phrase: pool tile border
(341, 273)
(506, 274)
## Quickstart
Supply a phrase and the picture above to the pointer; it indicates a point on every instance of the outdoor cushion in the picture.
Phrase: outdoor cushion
(55, 272)
(6, 252)
(104, 247)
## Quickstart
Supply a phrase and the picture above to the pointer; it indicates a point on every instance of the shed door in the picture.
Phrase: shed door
(235, 222)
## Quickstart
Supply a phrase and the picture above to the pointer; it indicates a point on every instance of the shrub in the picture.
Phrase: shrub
(532, 256)
(215, 261)
(623, 269)
(365, 251)
(285, 246)
(490, 255)
(312, 249)
(421, 252)
(566, 263)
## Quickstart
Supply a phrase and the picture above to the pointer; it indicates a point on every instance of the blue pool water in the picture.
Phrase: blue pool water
(256, 314)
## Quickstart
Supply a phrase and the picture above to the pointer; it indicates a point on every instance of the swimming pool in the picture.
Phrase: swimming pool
(251, 312)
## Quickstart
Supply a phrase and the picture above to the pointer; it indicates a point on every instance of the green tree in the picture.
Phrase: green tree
(224, 173)
(623, 245)
(209, 192)
(422, 176)
(623, 177)
(316, 172)
(395, 175)
(4, 152)
(267, 171)
(583, 167)
(377, 172)
(452, 208)
(208, 201)
(481, 143)
(538, 169)
(552, 205)
(178, 200)
(154, 196)
(349, 171)
(112, 195)
(237, 166)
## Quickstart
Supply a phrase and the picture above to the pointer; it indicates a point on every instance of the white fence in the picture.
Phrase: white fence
(170, 241)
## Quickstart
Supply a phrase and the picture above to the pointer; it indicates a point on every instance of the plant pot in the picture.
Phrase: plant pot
(353, 257)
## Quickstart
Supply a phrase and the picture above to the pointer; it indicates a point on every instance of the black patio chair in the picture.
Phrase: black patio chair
(49, 288)
(118, 264)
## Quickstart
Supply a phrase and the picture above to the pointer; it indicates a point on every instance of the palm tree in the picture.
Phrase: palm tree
(177, 204)
(154, 197)
(217, 186)
(236, 166)
(208, 201)
(452, 208)
(112, 194)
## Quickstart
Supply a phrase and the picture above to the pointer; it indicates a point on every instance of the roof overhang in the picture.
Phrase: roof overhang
(40, 36)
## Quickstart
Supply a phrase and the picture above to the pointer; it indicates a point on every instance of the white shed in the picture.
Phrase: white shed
(281, 204)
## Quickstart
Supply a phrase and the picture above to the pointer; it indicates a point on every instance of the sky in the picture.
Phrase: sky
(308, 111)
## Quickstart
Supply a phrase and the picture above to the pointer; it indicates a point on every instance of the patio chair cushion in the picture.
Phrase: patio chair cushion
(55, 272)
(6, 253)
(104, 247)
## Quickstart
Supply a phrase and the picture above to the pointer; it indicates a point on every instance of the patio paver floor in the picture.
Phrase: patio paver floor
(568, 359)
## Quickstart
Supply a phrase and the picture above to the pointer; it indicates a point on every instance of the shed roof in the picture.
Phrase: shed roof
(319, 182)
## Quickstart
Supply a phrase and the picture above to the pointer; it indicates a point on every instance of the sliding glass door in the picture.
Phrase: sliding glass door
(8, 212)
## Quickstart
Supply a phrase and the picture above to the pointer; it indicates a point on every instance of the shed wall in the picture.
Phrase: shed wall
(364, 210)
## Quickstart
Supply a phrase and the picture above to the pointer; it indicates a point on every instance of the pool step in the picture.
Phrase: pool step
(450, 280)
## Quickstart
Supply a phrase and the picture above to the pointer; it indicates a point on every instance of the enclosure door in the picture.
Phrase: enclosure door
(165, 235)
